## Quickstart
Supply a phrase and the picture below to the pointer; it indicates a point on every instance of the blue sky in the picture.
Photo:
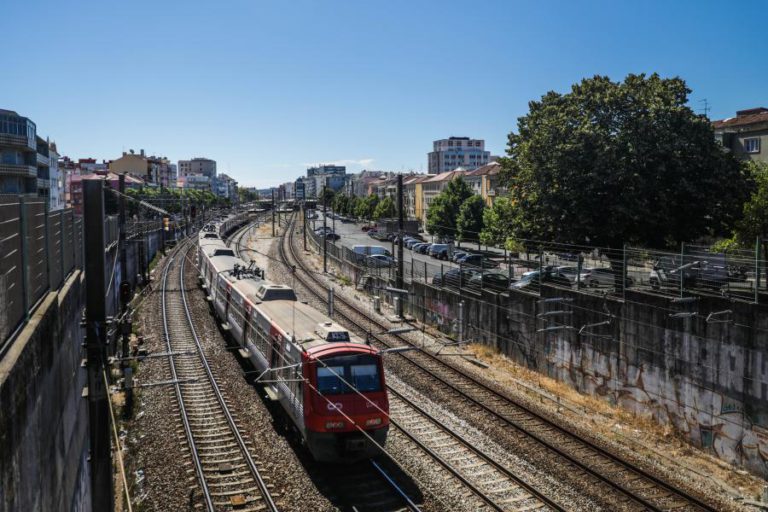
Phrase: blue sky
(267, 87)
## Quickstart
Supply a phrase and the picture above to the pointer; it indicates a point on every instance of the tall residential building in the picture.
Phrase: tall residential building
(198, 166)
(18, 154)
(746, 135)
(332, 176)
(453, 152)
(327, 169)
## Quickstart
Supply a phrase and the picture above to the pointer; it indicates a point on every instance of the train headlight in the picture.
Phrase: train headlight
(334, 424)
(372, 422)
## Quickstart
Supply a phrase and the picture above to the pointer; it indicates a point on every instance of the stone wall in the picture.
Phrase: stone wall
(707, 378)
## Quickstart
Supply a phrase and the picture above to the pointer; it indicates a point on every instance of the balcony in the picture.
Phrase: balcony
(43, 160)
(17, 141)
(23, 171)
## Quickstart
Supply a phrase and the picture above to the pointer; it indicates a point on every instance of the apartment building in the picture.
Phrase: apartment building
(154, 170)
(200, 166)
(484, 181)
(433, 185)
(746, 135)
(454, 152)
(18, 154)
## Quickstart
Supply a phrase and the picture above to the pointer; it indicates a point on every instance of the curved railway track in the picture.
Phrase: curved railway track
(494, 486)
(629, 485)
(228, 476)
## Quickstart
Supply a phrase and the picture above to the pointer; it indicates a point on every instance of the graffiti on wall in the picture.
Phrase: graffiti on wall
(709, 419)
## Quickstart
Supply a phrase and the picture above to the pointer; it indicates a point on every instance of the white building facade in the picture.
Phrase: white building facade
(453, 152)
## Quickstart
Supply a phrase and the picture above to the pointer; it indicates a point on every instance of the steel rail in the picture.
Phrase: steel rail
(408, 501)
(230, 420)
(177, 387)
(470, 447)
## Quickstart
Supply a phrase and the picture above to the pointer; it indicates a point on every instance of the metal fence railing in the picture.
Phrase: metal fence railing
(693, 270)
(38, 249)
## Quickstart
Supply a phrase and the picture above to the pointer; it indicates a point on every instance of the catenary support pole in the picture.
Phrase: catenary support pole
(304, 229)
(325, 227)
(400, 227)
(96, 345)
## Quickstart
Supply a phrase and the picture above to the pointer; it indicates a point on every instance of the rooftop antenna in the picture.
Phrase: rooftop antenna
(706, 107)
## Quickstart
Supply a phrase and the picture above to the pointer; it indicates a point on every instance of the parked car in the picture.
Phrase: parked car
(368, 227)
(490, 279)
(380, 261)
(602, 276)
(363, 251)
(332, 236)
(458, 254)
(477, 260)
(322, 229)
(573, 274)
(424, 248)
(703, 273)
(568, 256)
(454, 277)
(415, 247)
(439, 251)
(411, 242)
(532, 279)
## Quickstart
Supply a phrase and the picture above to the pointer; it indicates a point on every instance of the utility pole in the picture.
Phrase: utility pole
(96, 345)
(325, 226)
(123, 256)
(304, 229)
(400, 228)
(273, 212)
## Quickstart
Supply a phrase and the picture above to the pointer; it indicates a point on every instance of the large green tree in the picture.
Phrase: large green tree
(444, 209)
(620, 162)
(753, 225)
(469, 222)
(365, 207)
(385, 209)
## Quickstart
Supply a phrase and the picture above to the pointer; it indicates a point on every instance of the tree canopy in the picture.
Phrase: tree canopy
(367, 206)
(615, 162)
(444, 209)
(385, 209)
(469, 222)
(754, 222)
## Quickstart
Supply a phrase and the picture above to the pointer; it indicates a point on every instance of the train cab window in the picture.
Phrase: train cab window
(365, 377)
(336, 374)
(329, 380)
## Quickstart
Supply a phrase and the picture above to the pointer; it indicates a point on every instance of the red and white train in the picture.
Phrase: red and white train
(329, 383)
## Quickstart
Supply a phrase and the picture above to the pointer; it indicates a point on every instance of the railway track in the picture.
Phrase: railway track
(626, 484)
(229, 477)
(493, 485)
(496, 486)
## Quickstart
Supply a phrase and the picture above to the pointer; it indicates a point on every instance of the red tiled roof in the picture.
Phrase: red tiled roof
(489, 168)
(445, 176)
(743, 118)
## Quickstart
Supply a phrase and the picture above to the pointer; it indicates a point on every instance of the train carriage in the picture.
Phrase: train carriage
(329, 384)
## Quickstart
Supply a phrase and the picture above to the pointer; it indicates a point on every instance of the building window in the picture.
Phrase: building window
(752, 145)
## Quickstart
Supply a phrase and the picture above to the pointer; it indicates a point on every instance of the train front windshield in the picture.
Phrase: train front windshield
(336, 374)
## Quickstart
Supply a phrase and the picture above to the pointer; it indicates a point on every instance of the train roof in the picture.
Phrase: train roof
(223, 264)
(313, 331)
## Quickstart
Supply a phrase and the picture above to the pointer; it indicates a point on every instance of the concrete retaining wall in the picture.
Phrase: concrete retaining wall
(708, 379)
(43, 418)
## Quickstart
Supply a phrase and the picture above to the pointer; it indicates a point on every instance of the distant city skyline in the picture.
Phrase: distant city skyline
(268, 90)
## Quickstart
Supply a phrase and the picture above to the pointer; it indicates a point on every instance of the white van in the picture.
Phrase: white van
(363, 251)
